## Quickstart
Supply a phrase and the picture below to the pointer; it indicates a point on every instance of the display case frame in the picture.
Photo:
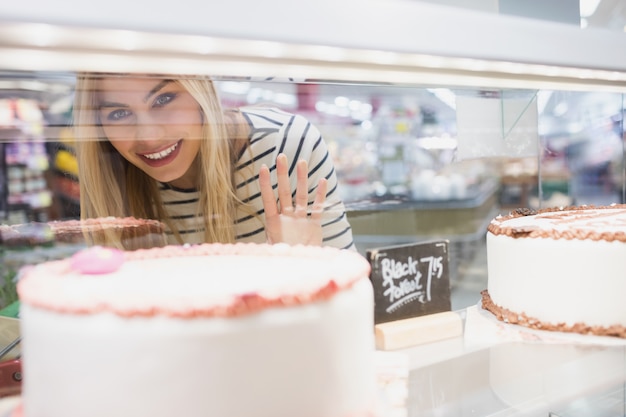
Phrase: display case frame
(404, 43)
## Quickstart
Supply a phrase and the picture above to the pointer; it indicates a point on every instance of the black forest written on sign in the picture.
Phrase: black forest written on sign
(410, 280)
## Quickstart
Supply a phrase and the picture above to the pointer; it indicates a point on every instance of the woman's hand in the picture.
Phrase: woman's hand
(289, 221)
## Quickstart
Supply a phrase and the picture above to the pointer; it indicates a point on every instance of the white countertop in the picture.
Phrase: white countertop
(497, 369)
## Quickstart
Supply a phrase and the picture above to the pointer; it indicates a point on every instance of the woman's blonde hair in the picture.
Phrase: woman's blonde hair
(111, 186)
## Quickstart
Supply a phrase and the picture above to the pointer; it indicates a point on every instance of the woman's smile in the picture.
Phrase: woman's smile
(161, 157)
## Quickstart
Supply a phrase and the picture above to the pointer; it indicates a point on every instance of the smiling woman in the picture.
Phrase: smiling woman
(148, 129)
(164, 149)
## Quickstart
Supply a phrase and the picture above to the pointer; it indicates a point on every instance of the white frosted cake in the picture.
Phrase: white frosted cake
(208, 330)
(559, 269)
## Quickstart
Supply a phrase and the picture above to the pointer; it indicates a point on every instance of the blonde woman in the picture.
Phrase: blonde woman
(163, 148)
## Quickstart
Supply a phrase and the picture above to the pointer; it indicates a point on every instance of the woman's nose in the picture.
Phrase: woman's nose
(148, 128)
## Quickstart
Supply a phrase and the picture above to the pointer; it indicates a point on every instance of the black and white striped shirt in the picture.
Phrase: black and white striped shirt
(272, 131)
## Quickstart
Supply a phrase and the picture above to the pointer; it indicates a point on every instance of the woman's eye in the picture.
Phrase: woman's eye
(163, 99)
(117, 115)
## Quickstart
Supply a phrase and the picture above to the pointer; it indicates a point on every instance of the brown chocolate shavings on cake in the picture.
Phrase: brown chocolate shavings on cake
(564, 215)
(508, 316)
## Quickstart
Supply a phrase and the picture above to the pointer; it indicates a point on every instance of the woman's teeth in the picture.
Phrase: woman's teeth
(163, 153)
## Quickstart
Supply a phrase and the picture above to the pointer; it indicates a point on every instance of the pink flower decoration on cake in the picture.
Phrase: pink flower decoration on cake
(97, 260)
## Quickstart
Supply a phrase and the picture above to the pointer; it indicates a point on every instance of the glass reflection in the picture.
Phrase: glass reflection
(411, 163)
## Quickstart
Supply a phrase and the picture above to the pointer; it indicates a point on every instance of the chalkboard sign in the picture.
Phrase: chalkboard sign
(410, 280)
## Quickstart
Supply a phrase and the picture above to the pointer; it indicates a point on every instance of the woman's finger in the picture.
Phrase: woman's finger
(267, 194)
(320, 200)
(284, 185)
(302, 189)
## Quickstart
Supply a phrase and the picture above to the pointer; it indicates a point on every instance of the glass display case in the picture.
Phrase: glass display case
(436, 124)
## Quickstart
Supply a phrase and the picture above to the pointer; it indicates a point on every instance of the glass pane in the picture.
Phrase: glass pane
(413, 164)
(582, 144)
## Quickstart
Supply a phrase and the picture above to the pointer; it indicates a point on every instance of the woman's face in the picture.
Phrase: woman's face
(154, 123)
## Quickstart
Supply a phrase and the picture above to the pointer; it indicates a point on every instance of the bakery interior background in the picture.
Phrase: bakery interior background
(416, 163)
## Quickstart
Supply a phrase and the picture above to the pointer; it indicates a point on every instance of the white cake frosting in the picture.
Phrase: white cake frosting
(208, 330)
(559, 269)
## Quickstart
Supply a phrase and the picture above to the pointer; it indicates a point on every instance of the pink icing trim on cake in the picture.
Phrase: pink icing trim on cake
(97, 260)
(46, 288)
(18, 411)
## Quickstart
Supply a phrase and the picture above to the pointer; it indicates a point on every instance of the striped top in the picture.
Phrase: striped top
(272, 131)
